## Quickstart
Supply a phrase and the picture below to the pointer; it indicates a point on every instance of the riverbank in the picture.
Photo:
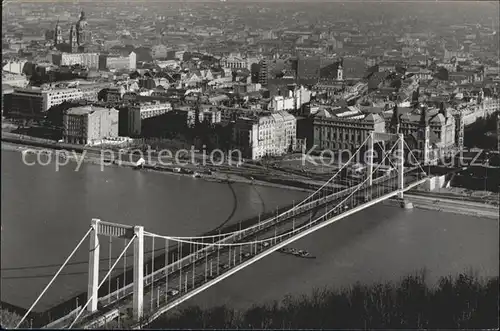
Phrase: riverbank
(451, 200)
(449, 205)
(216, 176)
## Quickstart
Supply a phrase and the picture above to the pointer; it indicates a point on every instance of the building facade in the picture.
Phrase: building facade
(234, 62)
(273, 134)
(116, 62)
(131, 118)
(441, 125)
(89, 60)
(16, 80)
(85, 125)
(36, 101)
(209, 116)
(15, 66)
(332, 132)
(264, 71)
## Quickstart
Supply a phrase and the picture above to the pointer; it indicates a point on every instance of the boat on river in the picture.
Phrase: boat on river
(297, 252)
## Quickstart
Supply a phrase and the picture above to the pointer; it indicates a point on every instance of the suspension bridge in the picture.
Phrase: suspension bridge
(186, 266)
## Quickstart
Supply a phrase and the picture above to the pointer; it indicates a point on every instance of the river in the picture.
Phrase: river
(45, 213)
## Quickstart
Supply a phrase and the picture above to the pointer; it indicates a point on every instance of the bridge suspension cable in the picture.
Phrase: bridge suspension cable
(103, 280)
(409, 149)
(289, 210)
(53, 278)
(186, 239)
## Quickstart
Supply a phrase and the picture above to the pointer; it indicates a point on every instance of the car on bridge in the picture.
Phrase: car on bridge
(172, 292)
(246, 254)
(224, 266)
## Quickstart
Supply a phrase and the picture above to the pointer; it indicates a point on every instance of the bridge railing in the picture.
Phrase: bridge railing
(195, 256)
(385, 192)
(200, 254)
(282, 241)
(62, 320)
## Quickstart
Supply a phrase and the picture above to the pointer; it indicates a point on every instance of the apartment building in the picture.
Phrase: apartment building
(297, 96)
(118, 62)
(36, 101)
(131, 117)
(88, 124)
(90, 91)
(89, 60)
(273, 134)
(210, 116)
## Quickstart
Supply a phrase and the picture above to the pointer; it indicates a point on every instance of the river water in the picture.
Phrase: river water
(45, 213)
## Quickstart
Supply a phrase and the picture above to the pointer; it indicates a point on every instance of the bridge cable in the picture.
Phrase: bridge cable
(53, 278)
(298, 205)
(219, 245)
(396, 168)
(418, 163)
(182, 240)
(103, 281)
(289, 210)
(109, 265)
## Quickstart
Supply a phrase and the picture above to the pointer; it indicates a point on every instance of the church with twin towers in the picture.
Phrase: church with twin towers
(80, 37)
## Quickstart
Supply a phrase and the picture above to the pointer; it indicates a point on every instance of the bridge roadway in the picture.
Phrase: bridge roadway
(211, 264)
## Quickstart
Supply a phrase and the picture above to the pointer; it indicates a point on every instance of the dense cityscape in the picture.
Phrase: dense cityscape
(266, 91)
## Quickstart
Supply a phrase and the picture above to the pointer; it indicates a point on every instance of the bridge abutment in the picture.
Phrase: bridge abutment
(406, 204)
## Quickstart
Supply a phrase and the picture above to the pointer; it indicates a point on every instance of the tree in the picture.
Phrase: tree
(102, 94)
(9, 320)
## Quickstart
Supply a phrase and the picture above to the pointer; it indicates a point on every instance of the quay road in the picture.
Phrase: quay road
(193, 273)
(454, 205)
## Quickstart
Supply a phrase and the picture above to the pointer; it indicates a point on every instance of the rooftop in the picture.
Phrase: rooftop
(84, 110)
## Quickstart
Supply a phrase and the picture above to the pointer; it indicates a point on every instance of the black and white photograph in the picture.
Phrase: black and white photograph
(239, 164)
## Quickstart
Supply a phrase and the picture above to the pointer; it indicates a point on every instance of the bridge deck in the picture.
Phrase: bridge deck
(200, 270)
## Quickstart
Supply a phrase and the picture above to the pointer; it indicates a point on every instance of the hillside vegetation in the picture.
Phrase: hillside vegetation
(464, 302)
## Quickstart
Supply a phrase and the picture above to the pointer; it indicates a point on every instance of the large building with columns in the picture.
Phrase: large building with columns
(347, 129)
(235, 62)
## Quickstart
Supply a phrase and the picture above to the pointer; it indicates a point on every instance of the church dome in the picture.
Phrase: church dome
(82, 22)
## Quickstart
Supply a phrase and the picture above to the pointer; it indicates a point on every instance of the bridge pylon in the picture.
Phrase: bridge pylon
(135, 233)
(400, 165)
(382, 137)
(94, 259)
(370, 157)
(138, 301)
